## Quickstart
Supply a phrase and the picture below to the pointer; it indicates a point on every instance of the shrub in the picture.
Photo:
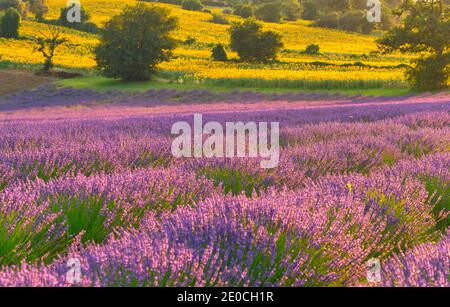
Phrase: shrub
(429, 73)
(352, 21)
(176, 2)
(134, 42)
(38, 8)
(6, 4)
(424, 29)
(243, 10)
(192, 5)
(219, 19)
(312, 49)
(63, 20)
(214, 3)
(252, 44)
(269, 12)
(9, 24)
(310, 11)
(218, 53)
(291, 10)
(190, 40)
(328, 20)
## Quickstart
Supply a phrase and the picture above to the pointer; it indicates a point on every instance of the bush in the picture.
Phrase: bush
(352, 21)
(328, 20)
(176, 2)
(6, 4)
(312, 49)
(310, 11)
(9, 24)
(38, 8)
(243, 10)
(269, 12)
(219, 19)
(291, 10)
(252, 44)
(214, 3)
(219, 53)
(429, 73)
(192, 5)
(63, 20)
(134, 42)
(190, 40)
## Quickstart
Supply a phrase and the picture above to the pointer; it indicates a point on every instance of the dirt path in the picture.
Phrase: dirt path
(13, 81)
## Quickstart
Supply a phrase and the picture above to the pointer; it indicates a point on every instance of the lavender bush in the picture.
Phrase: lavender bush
(358, 178)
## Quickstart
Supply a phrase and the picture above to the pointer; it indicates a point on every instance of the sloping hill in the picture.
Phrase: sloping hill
(340, 50)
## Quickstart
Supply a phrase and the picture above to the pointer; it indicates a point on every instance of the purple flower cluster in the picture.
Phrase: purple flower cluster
(357, 179)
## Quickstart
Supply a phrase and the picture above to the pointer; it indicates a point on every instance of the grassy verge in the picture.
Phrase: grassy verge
(102, 84)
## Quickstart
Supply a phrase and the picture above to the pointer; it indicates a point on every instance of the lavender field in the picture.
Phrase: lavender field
(90, 176)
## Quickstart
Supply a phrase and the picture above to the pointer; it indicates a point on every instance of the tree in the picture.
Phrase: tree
(312, 49)
(133, 43)
(334, 5)
(219, 19)
(328, 20)
(310, 11)
(291, 10)
(252, 44)
(218, 53)
(9, 24)
(269, 12)
(6, 4)
(38, 8)
(192, 5)
(353, 20)
(425, 30)
(65, 11)
(243, 10)
(48, 44)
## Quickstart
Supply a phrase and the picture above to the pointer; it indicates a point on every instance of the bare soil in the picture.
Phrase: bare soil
(12, 81)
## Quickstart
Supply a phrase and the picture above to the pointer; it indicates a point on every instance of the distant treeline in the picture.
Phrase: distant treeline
(347, 15)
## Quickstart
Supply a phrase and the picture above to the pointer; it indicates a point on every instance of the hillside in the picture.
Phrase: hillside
(333, 68)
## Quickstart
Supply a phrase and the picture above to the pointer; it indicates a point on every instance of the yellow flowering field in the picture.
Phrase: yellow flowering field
(338, 49)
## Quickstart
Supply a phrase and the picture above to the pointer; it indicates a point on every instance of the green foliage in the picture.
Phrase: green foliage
(334, 5)
(312, 49)
(243, 10)
(219, 53)
(252, 44)
(23, 239)
(353, 21)
(235, 181)
(9, 24)
(219, 19)
(291, 10)
(87, 216)
(429, 73)
(134, 42)
(63, 20)
(328, 20)
(48, 45)
(190, 40)
(439, 199)
(269, 12)
(38, 8)
(6, 4)
(192, 5)
(425, 29)
(310, 10)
